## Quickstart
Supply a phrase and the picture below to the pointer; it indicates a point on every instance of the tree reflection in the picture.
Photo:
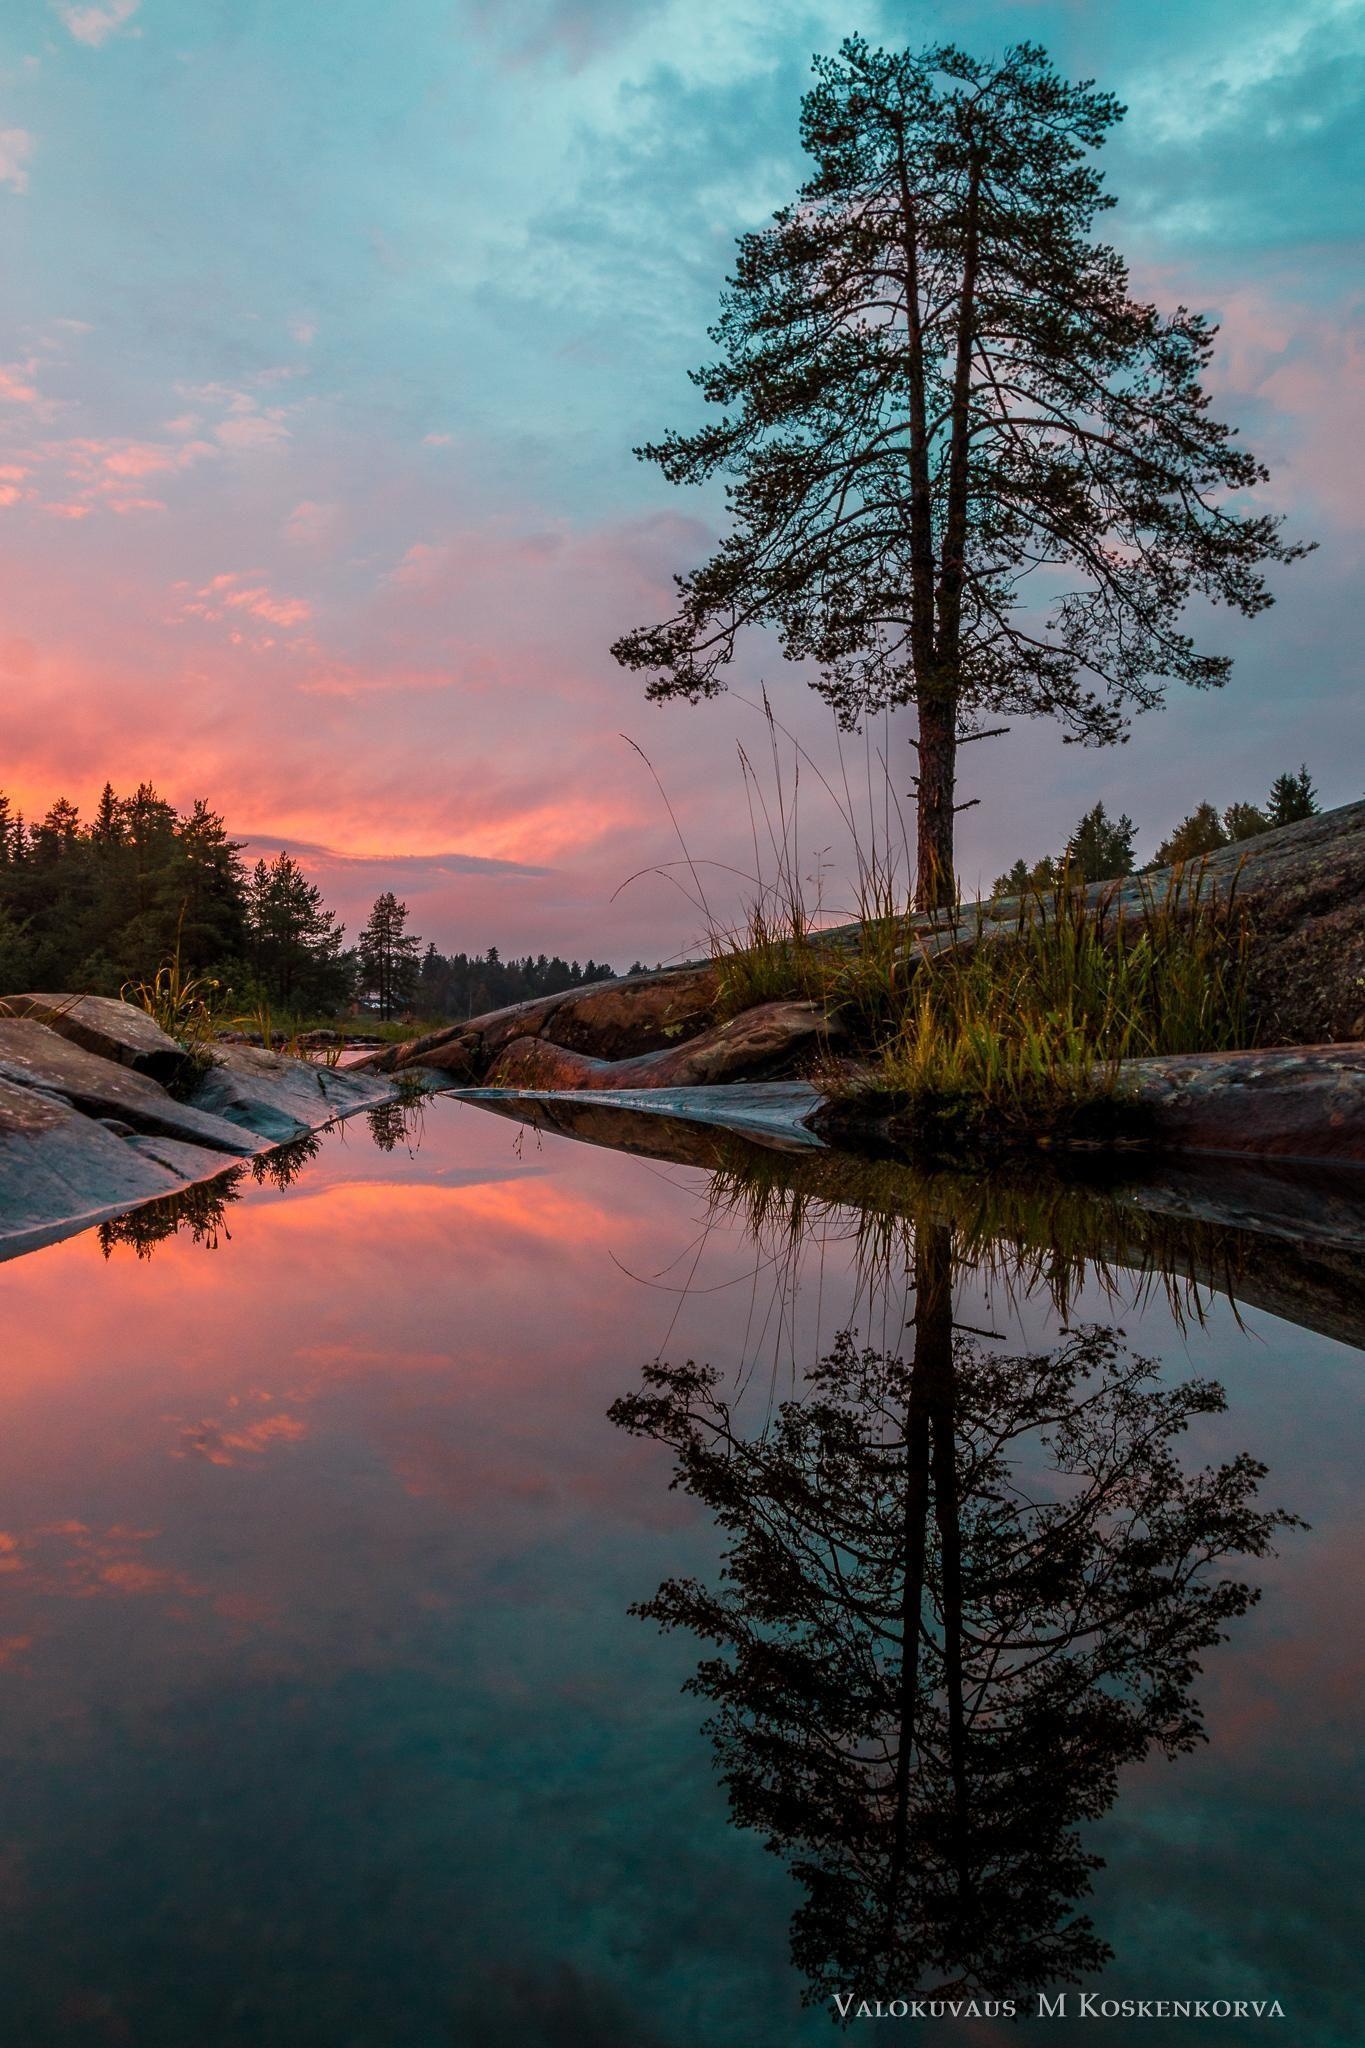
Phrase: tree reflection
(282, 1166)
(200, 1210)
(964, 1589)
(398, 1123)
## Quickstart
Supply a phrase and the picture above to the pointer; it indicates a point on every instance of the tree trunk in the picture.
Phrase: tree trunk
(938, 692)
(935, 881)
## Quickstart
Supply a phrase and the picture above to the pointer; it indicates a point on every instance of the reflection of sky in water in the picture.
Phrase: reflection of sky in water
(323, 1717)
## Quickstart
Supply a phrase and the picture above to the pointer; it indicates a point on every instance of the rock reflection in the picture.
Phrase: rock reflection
(963, 1590)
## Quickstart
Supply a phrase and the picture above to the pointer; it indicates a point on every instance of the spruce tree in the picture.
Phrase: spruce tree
(294, 941)
(1291, 798)
(1202, 832)
(388, 954)
(969, 471)
(1101, 848)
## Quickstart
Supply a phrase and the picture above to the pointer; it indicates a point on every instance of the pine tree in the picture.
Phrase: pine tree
(1023, 879)
(294, 941)
(107, 828)
(388, 955)
(1291, 798)
(1202, 832)
(1101, 848)
(1244, 821)
(940, 397)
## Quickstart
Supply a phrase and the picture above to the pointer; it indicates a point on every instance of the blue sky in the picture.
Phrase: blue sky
(327, 335)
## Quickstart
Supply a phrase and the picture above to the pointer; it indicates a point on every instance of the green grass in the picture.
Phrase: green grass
(1023, 1039)
(1020, 1038)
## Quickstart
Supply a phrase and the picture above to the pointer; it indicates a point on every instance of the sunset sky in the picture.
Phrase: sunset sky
(326, 334)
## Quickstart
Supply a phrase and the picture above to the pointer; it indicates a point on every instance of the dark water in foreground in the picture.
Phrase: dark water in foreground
(323, 1719)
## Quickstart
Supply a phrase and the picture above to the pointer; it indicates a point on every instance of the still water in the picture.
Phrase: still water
(325, 1720)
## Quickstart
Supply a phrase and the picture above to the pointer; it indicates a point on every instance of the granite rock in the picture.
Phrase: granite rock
(114, 1030)
(767, 1042)
(33, 1056)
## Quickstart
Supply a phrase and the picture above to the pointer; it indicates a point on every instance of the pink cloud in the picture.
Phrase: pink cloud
(95, 24)
(16, 147)
(98, 473)
(1309, 368)
(227, 593)
(311, 525)
(252, 430)
(14, 386)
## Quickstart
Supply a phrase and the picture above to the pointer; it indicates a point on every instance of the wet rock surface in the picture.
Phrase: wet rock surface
(772, 1114)
(85, 1135)
(60, 1170)
(1302, 1102)
(279, 1099)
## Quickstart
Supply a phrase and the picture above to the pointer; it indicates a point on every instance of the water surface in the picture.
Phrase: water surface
(323, 1716)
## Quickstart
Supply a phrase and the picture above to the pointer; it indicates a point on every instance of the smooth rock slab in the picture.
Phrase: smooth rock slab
(60, 1171)
(84, 1139)
(280, 1098)
(1302, 1102)
(103, 1025)
(34, 1056)
(770, 1113)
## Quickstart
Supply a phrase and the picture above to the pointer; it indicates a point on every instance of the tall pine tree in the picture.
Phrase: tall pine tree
(388, 954)
(969, 471)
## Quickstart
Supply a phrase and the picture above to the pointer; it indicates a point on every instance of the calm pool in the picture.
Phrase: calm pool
(324, 1721)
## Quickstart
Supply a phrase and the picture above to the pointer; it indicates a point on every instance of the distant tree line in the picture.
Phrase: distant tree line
(92, 906)
(1100, 849)
(465, 984)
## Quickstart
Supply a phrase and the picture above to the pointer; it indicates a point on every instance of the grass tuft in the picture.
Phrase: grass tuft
(1023, 1038)
(184, 1005)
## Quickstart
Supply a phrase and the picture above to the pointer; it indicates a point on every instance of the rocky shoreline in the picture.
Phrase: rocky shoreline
(100, 1110)
(1298, 1096)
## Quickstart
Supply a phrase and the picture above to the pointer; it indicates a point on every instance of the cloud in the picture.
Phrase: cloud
(16, 147)
(94, 25)
(1252, 74)
(311, 525)
(14, 386)
(253, 430)
(94, 474)
(227, 593)
(426, 867)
